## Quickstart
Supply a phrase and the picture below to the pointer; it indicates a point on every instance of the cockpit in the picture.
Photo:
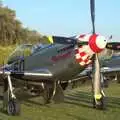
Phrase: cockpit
(24, 50)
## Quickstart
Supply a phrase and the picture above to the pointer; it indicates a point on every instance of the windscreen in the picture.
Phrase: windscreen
(25, 50)
(20, 52)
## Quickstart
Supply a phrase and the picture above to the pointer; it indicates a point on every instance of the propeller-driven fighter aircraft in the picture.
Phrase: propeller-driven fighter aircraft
(48, 68)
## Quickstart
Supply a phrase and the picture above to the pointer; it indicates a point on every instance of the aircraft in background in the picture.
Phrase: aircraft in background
(110, 66)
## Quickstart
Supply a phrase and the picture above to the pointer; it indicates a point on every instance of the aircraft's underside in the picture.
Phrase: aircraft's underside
(50, 90)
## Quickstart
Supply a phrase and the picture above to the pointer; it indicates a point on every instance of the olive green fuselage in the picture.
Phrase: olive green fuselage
(57, 59)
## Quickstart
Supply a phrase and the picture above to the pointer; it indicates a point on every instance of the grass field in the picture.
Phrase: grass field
(77, 106)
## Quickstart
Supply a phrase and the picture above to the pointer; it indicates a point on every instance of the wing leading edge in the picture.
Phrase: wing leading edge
(29, 75)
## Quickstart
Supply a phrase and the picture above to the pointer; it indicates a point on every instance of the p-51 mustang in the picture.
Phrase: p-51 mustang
(47, 68)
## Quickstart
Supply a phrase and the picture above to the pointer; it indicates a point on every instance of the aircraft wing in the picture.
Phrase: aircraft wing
(107, 71)
(29, 75)
(110, 70)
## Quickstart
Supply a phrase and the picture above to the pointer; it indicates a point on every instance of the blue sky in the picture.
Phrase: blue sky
(67, 17)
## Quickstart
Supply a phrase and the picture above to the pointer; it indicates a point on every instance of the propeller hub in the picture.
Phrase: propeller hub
(97, 43)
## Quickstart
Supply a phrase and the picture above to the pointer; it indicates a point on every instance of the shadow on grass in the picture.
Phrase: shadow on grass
(78, 98)
(85, 99)
(113, 102)
(30, 103)
(1, 97)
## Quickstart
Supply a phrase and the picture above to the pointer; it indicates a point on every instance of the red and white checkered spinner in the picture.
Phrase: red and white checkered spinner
(96, 43)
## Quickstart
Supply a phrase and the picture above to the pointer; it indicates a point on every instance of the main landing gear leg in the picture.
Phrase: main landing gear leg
(56, 94)
(10, 103)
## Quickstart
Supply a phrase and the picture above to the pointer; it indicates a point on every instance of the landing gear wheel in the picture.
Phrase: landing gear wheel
(44, 96)
(99, 104)
(54, 93)
(10, 103)
(59, 95)
(118, 80)
(13, 107)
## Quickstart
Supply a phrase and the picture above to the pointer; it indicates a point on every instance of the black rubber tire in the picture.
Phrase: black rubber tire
(101, 104)
(13, 107)
(58, 97)
(94, 104)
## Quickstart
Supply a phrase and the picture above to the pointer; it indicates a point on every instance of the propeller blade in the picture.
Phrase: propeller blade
(61, 40)
(113, 45)
(65, 40)
(96, 87)
(97, 77)
(92, 9)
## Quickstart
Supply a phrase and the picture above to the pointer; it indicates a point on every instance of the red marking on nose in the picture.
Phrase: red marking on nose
(81, 36)
(93, 45)
(82, 54)
(76, 51)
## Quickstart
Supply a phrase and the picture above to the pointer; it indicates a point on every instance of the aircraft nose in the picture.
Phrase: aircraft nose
(97, 43)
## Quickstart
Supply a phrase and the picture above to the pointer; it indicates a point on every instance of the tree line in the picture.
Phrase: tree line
(12, 30)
